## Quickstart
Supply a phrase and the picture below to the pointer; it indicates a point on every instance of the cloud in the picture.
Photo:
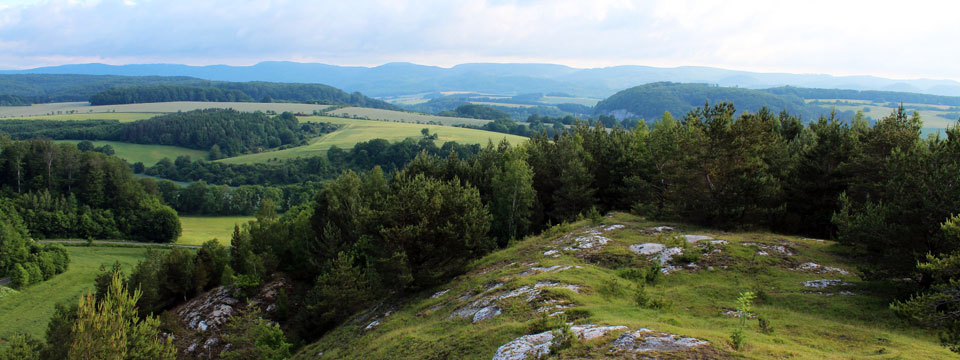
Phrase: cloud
(839, 37)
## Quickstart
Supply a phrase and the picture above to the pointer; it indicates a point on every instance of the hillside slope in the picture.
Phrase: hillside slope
(651, 100)
(506, 78)
(591, 276)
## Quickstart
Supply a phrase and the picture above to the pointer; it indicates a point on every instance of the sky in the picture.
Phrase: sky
(895, 39)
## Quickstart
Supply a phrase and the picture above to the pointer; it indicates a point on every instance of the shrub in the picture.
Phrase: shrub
(610, 288)
(737, 337)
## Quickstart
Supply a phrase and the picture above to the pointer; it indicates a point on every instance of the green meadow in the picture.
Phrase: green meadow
(84, 108)
(355, 131)
(199, 229)
(403, 116)
(29, 310)
(147, 154)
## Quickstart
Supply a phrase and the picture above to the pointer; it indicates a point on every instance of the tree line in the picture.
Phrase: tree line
(23, 260)
(224, 132)
(166, 93)
(45, 88)
(363, 156)
(62, 192)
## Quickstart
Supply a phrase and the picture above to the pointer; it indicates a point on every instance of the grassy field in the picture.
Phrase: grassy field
(508, 105)
(553, 100)
(401, 116)
(167, 107)
(931, 120)
(805, 323)
(355, 131)
(199, 229)
(29, 310)
(122, 117)
(147, 154)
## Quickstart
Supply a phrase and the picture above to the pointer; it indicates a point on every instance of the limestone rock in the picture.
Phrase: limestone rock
(644, 340)
(824, 283)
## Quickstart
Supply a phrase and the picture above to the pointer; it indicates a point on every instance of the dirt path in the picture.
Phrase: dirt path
(4, 281)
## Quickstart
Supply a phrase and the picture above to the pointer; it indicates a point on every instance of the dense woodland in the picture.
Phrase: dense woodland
(166, 93)
(24, 261)
(474, 111)
(224, 133)
(112, 89)
(361, 157)
(869, 95)
(651, 100)
(61, 192)
(887, 195)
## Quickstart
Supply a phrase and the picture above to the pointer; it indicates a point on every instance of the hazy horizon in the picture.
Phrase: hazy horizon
(874, 38)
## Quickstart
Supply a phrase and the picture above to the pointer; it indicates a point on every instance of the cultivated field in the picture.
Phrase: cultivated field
(199, 229)
(355, 131)
(121, 117)
(507, 105)
(553, 100)
(29, 310)
(147, 154)
(166, 107)
(401, 116)
(931, 121)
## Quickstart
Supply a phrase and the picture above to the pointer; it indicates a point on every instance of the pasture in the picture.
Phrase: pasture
(876, 111)
(401, 116)
(28, 311)
(147, 154)
(121, 117)
(80, 108)
(199, 229)
(553, 100)
(355, 131)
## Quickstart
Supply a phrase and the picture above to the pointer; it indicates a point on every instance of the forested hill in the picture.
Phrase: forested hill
(224, 132)
(869, 95)
(166, 93)
(109, 89)
(651, 100)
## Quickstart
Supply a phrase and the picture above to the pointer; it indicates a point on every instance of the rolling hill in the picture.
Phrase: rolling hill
(510, 303)
(651, 100)
(510, 78)
(355, 130)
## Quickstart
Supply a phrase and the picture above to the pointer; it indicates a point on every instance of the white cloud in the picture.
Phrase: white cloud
(841, 37)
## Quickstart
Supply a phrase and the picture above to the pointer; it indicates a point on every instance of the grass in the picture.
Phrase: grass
(122, 117)
(355, 131)
(553, 100)
(147, 154)
(931, 120)
(29, 310)
(806, 325)
(402, 116)
(84, 108)
(199, 229)
(509, 105)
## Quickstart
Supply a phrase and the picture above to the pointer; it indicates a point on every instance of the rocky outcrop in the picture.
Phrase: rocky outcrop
(208, 311)
(645, 340)
(204, 316)
(820, 269)
(486, 307)
(536, 346)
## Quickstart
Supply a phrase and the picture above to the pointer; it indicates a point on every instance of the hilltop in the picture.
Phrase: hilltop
(637, 288)
(510, 78)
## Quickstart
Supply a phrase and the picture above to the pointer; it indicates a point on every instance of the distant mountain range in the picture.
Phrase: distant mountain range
(395, 79)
